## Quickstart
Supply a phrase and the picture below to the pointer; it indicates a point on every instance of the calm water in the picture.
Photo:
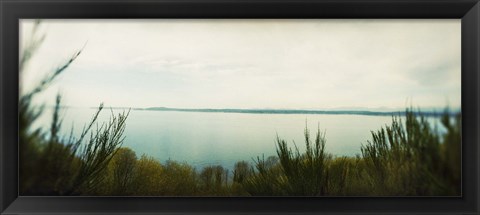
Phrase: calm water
(202, 139)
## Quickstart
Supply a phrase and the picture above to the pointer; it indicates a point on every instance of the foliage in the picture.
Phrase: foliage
(50, 165)
(306, 174)
(408, 158)
(124, 163)
(411, 158)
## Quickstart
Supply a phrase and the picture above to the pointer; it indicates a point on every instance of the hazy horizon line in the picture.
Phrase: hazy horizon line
(263, 108)
(355, 111)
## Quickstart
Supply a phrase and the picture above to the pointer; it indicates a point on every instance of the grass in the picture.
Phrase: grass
(405, 158)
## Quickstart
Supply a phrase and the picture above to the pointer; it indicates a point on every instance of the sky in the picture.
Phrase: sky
(278, 64)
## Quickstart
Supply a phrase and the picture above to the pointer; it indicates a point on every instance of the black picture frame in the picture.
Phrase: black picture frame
(13, 10)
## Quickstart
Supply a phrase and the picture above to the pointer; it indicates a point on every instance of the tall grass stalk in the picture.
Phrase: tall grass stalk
(52, 166)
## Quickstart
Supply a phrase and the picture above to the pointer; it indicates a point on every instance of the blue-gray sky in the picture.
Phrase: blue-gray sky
(292, 64)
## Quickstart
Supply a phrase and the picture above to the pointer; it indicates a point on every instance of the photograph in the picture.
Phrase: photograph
(240, 107)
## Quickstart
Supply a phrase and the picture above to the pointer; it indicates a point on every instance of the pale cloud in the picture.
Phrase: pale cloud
(254, 63)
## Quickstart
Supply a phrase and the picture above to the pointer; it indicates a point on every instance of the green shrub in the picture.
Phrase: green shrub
(410, 158)
(267, 179)
(242, 170)
(179, 179)
(306, 173)
(148, 177)
(213, 180)
(124, 166)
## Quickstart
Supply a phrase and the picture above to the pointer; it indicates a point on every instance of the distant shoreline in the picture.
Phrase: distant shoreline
(285, 111)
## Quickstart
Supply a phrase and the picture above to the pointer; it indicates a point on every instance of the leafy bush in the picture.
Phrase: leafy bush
(180, 179)
(213, 180)
(148, 177)
(124, 164)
